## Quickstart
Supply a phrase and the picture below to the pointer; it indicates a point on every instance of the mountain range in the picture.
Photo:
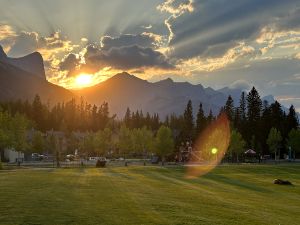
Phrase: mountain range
(23, 78)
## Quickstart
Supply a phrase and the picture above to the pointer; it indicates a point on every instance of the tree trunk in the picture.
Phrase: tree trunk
(163, 161)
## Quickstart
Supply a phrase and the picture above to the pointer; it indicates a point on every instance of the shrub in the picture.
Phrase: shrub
(100, 163)
(1, 167)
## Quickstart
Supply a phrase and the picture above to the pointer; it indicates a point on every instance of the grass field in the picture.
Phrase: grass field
(150, 195)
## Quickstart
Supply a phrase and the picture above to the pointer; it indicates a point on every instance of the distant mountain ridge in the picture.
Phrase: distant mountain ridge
(32, 63)
(23, 78)
(164, 97)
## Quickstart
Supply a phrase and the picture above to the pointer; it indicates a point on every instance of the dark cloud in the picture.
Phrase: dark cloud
(214, 26)
(69, 63)
(290, 20)
(142, 40)
(126, 57)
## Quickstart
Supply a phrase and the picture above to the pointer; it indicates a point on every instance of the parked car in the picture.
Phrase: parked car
(37, 156)
(93, 158)
(70, 157)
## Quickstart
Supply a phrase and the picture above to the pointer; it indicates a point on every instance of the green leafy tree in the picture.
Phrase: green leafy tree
(237, 144)
(20, 125)
(274, 140)
(103, 141)
(142, 140)
(124, 141)
(293, 141)
(87, 146)
(164, 142)
(38, 142)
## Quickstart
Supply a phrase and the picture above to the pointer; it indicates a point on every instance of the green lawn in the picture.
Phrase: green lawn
(150, 195)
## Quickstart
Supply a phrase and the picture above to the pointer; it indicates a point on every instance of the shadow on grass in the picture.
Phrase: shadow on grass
(237, 183)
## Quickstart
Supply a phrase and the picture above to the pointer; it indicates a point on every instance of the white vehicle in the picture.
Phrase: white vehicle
(97, 158)
(93, 158)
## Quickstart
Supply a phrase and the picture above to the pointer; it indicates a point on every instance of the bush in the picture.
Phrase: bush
(1, 167)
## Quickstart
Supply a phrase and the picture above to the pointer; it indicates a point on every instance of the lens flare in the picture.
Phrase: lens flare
(210, 148)
(214, 151)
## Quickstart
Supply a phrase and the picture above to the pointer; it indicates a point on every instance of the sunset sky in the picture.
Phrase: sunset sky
(235, 43)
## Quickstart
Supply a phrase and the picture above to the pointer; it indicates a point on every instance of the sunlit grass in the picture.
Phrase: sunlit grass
(150, 195)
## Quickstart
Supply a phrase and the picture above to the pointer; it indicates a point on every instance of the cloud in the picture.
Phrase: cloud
(143, 40)
(7, 36)
(70, 62)
(176, 8)
(24, 44)
(126, 57)
(241, 85)
(213, 27)
(272, 38)
(209, 64)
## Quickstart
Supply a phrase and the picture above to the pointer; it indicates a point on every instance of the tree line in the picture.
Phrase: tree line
(255, 124)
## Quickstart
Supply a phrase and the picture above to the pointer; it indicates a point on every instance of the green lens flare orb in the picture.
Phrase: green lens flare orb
(214, 151)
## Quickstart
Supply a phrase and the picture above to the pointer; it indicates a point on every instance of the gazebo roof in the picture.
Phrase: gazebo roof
(250, 151)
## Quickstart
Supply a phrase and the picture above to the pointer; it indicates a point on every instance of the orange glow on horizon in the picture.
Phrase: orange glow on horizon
(83, 80)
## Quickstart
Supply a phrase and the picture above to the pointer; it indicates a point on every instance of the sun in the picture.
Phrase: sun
(84, 80)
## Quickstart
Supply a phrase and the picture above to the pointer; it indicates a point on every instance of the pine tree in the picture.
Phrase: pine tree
(229, 108)
(201, 120)
(38, 113)
(127, 118)
(277, 116)
(292, 119)
(210, 117)
(254, 108)
(188, 121)
(243, 106)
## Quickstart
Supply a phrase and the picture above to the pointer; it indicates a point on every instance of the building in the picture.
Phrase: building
(12, 156)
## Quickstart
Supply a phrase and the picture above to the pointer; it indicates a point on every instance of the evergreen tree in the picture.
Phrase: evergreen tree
(243, 106)
(277, 116)
(201, 120)
(254, 108)
(38, 113)
(229, 108)
(292, 119)
(210, 117)
(188, 121)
